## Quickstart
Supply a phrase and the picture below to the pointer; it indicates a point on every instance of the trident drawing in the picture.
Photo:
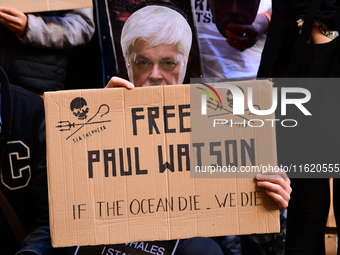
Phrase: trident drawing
(66, 125)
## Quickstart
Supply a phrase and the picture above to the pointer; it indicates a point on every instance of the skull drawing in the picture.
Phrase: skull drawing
(79, 108)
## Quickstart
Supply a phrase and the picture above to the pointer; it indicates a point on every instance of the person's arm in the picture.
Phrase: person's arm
(242, 37)
(72, 28)
(277, 186)
(318, 37)
(37, 242)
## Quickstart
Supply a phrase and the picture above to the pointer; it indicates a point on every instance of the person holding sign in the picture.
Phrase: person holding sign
(155, 58)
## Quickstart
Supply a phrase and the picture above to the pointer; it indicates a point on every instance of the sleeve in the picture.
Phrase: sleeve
(38, 242)
(71, 29)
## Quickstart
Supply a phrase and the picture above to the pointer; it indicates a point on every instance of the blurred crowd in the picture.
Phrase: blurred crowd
(138, 43)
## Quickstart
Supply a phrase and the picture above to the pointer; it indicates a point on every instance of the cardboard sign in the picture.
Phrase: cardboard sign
(136, 248)
(45, 5)
(119, 167)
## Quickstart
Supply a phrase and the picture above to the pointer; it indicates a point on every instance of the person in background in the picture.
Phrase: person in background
(23, 173)
(92, 64)
(34, 47)
(231, 36)
(308, 143)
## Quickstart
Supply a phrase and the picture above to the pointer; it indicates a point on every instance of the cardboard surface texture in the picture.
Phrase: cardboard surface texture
(118, 168)
(45, 5)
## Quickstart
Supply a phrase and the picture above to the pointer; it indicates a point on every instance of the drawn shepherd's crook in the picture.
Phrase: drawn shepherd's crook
(66, 125)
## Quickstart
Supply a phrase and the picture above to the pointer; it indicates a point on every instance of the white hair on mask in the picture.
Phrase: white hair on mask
(156, 25)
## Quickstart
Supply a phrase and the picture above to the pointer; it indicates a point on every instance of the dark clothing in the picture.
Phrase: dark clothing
(202, 245)
(308, 142)
(23, 168)
(92, 65)
(283, 32)
(38, 60)
(309, 211)
(33, 68)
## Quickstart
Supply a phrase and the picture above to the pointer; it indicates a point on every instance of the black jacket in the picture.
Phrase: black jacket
(36, 69)
(23, 168)
(283, 33)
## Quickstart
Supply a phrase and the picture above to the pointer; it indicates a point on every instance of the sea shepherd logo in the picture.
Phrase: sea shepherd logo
(80, 110)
